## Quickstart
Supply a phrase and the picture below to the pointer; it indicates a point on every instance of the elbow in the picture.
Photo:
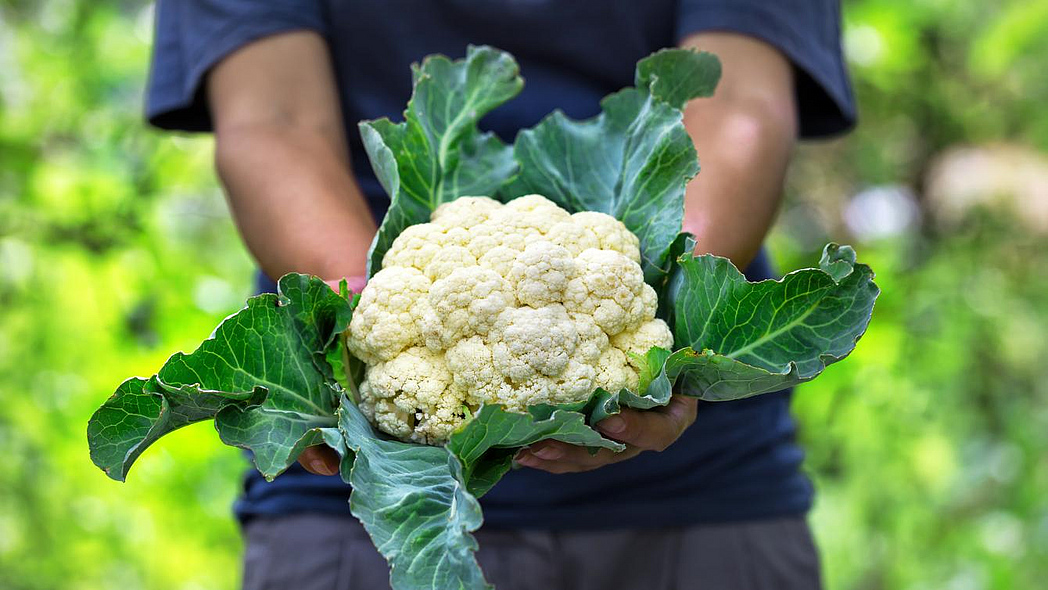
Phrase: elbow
(239, 144)
(759, 125)
(746, 134)
(237, 147)
(224, 155)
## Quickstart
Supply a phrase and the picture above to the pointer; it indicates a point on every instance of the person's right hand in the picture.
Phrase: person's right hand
(321, 459)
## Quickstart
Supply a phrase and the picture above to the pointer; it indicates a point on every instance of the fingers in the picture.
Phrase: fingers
(648, 430)
(652, 430)
(557, 457)
(320, 460)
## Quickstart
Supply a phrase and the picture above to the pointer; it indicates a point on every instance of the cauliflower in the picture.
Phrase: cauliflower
(514, 304)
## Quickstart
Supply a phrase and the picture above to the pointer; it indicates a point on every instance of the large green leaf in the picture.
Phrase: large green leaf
(261, 375)
(760, 337)
(631, 161)
(437, 154)
(142, 410)
(486, 444)
(413, 502)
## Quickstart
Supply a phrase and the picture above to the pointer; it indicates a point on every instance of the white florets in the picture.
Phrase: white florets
(514, 304)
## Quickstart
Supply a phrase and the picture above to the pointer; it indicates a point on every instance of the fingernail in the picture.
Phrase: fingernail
(548, 453)
(613, 425)
(320, 467)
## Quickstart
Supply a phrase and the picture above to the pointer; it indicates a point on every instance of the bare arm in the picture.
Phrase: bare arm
(280, 151)
(744, 135)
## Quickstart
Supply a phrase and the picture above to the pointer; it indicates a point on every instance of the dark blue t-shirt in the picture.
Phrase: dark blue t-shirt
(739, 460)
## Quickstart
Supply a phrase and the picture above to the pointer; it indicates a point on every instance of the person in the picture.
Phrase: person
(709, 495)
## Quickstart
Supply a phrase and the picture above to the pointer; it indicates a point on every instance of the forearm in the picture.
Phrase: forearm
(294, 200)
(744, 136)
(282, 155)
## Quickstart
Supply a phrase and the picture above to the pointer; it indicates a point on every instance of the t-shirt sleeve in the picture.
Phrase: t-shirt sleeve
(193, 35)
(807, 32)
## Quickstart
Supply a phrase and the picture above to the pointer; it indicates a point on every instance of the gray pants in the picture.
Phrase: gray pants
(318, 552)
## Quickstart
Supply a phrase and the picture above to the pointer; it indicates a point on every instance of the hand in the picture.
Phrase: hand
(321, 459)
(647, 430)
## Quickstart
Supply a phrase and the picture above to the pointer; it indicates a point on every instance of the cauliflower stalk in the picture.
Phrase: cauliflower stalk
(514, 304)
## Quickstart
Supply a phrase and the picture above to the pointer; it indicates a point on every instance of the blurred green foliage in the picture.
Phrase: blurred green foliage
(929, 446)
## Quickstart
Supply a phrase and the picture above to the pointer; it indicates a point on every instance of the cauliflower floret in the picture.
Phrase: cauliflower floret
(465, 212)
(573, 236)
(641, 340)
(493, 234)
(536, 204)
(592, 340)
(468, 301)
(575, 383)
(611, 288)
(457, 236)
(528, 341)
(418, 383)
(607, 232)
(541, 273)
(500, 259)
(385, 321)
(514, 304)
(447, 260)
(415, 246)
(473, 372)
(614, 372)
(530, 216)
(384, 414)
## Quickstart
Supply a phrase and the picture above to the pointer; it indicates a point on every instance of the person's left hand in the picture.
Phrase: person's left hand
(647, 430)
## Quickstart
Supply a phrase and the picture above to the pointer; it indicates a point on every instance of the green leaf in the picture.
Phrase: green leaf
(837, 261)
(486, 444)
(262, 375)
(437, 154)
(141, 411)
(671, 275)
(413, 502)
(766, 336)
(654, 389)
(631, 161)
(676, 76)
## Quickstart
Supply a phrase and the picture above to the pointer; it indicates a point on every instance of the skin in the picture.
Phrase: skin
(279, 138)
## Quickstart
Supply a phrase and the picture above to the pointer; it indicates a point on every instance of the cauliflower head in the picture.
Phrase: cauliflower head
(513, 304)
